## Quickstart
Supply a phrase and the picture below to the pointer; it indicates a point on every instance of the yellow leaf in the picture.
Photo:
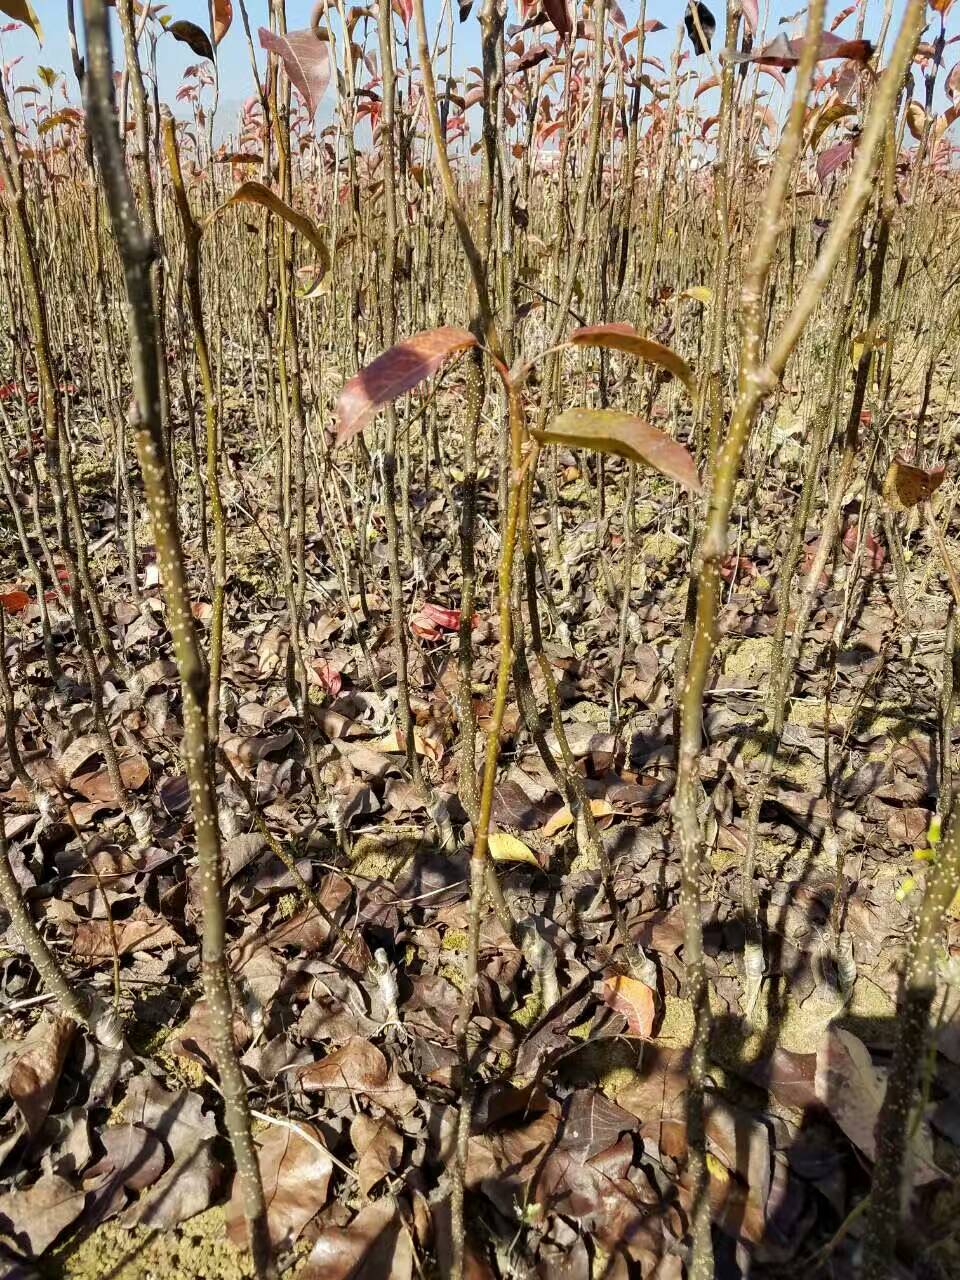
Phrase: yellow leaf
(507, 848)
(699, 293)
(916, 119)
(859, 345)
(22, 11)
(563, 818)
(717, 1169)
(612, 431)
(906, 887)
(392, 742)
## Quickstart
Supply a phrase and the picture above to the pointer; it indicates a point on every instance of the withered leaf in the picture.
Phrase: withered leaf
(295, 1167)
(35, 1070)
(33, 1218)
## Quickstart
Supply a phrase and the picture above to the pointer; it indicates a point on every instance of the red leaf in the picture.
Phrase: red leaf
(329, 677)
(305, 59)
(404, 11)
(784, 52)
(559, 15)
(833, 158)
(391, 374)
(751, 15)
(14, 601)
(448, 619)
(425, 630)
(874, 552)
(842, 16)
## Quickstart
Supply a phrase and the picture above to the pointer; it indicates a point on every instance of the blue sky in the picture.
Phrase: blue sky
(235, 80)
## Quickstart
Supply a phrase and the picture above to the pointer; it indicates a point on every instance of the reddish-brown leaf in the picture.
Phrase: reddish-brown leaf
(222, 18)
(193, 36)
(905, 485)
(784, 52)
(35, 1073)
(372, 1245)
(14, 600)
(559, 14)
(359, 1067)
(398, 370)
(623, 337)
(447, 619)
(306, 61)
(378, 1146)
(833, 158)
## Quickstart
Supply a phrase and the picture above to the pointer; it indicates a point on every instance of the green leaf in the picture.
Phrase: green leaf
(612, 431)
(623, 337)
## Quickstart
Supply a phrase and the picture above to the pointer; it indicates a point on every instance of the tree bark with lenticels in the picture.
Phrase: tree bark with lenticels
(136, 254)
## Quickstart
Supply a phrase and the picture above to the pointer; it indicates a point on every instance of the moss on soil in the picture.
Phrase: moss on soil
(198, 1250)
(748, 657)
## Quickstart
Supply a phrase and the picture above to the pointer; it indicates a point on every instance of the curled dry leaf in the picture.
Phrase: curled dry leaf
(193, 36)
(559, 14)
(358, 1067)
(94, 941)
(305, 59)
(35, 1071)
(751, 15)
(906, 485)
(186, 1189)
(394, 372)
(833, 158)
(623, 337)
(97, 787)
(635, 1000)
(613, 431)
(825, 117)
(850, 1087)
(784, 52)
(374, 1244)
(253, 192)
(916, 119)
(13, 600)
